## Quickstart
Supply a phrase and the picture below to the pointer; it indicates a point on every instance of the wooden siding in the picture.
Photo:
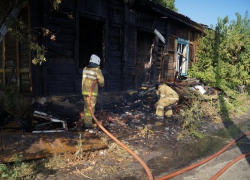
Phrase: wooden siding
(10, 52)
(10, 60)
(71, 4)
(93, 7)
(146, 21)
(1, 55)
(159, 50)
(171, 59)
(120, 44)
(182, 32)
(114, 62)
(130, 16)
(61, 65)
(24, 60)
(61, 78)
(130, 56)
(191, 55)
(24, 67)
(160, 25)
(1, 63)
(63, 49)
(115, 71)
(145, 50)
(37, 71)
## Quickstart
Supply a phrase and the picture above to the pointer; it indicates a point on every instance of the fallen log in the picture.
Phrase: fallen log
(35, 146)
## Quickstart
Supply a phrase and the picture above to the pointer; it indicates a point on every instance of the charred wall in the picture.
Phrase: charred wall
(114, 63)
(121, 34)
(15, 61)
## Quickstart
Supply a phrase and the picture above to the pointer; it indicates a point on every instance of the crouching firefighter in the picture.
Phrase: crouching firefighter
(90, 73)
(168, 97)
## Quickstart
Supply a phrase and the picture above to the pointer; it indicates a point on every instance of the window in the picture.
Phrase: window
(182, 56)
(15, 60)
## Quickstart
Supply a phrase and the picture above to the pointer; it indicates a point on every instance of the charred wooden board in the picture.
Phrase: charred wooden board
(35, 146)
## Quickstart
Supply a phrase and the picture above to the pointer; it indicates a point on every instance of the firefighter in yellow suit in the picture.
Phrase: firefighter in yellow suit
(91, 73)
(168, 97)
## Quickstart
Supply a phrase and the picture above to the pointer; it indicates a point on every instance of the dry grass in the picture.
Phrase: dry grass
(114, 157)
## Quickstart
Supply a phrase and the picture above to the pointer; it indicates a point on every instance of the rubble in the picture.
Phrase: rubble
(131, 115)
(52, 120)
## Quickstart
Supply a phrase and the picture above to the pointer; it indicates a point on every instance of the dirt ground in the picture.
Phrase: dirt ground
(158, 143)
(239, 170)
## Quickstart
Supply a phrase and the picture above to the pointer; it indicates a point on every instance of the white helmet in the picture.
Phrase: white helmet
(95, 59)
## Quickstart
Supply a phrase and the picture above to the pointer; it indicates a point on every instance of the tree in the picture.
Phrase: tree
(224, 54)
(170, 4)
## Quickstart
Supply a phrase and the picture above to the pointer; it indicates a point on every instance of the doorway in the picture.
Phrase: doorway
(91, 40)
(144, 63)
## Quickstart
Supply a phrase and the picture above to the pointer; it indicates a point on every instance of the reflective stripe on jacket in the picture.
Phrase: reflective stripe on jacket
(89, 75)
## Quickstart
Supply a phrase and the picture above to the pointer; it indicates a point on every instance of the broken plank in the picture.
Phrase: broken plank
(35, 146)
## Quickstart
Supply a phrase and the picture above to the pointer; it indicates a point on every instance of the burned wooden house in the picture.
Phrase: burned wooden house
(138, 41)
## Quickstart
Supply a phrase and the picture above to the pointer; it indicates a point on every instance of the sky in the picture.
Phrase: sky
(207, 11)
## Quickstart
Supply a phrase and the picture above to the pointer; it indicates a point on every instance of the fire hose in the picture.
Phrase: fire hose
(176, 173)
(150, 176)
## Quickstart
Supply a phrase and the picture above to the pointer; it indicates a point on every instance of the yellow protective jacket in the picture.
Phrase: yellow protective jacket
(167, 92)
(89, 75)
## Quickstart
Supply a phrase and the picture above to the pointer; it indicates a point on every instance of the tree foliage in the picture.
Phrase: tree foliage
(224, 54)
(170, 4)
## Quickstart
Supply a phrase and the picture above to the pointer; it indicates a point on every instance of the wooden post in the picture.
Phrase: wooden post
(17, 66)
(155, 78)
(106, 52)
(29, 51)
(4, 61)
(45, 43)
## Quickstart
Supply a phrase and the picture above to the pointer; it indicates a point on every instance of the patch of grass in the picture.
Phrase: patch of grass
(232, 107)
(56, 162)
(7, 173)
(118, 152)
(191, 116)
(12, 101)
(223, 109)
(7, 99)
(15, 170)
(79, 152)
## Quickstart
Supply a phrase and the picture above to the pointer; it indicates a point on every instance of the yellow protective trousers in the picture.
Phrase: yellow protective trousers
(87, 114)
(165, 102)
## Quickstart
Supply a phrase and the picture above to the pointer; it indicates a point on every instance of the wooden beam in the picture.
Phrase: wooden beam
(4, 61)
(35, 146)
(29, 51)
(18, 66)
(24, 70)
(45, 43)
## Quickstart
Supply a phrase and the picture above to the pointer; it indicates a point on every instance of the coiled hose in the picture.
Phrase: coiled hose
(176, 173)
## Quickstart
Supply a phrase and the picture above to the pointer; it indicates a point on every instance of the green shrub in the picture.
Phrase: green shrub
(11, 171)
(192, 115)
(224, 54)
